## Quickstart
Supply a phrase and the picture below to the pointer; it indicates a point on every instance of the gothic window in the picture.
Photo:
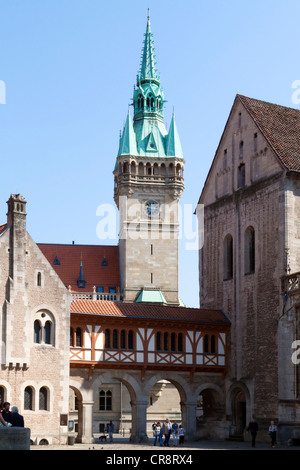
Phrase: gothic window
(241, 175)
(47, 332)
(37, 331)
(44, 328)
(39, 279)
(228, 257)
(105, 400)
(28, 398)
(43, 399)
(249, 250)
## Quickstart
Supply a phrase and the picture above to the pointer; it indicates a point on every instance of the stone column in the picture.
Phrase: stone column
(87, 422)
(139, 420)
(188, 411)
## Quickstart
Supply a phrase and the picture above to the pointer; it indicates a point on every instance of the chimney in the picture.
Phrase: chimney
(16, 221)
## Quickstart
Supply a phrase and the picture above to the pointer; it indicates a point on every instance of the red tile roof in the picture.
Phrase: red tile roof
(280, 126)
(92, 257)
(3, 227)
(122, 309)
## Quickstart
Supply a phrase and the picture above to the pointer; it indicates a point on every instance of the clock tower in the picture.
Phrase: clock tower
(148, 183)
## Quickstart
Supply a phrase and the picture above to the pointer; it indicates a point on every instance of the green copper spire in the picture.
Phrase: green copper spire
(147, 135)
(148, 68)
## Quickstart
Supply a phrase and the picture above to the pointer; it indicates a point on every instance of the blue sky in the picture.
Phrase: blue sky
(69, 67)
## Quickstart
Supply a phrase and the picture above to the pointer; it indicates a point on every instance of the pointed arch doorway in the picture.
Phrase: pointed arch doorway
(239, 411)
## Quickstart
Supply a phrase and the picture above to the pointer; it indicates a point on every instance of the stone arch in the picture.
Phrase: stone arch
(78, 395)
(239, 407)
(137, 399)
(187, 399)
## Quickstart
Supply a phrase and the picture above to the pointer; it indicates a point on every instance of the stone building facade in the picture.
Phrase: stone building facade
(34, 329)
(251, 248)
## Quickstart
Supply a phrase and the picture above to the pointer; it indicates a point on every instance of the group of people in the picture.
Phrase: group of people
(253, 428)
(166, 429)
(10, 418)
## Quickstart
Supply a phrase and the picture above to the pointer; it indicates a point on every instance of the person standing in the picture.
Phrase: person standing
(272, 432)
(6, 414)
(17, 419)
(175, 433)
(253, 428)
(181, 434)
(167, 432)
(157, 434)
(110, 430)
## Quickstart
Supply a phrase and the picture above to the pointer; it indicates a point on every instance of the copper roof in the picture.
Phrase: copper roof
(122, 309)
(96, 273)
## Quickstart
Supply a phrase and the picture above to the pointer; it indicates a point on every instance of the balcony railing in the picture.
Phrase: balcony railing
(115, 297)
(291, 284)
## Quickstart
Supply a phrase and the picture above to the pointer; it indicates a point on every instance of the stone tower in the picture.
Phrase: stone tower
(148, 182)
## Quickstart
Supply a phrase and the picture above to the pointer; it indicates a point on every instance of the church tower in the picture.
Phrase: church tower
(148, 183)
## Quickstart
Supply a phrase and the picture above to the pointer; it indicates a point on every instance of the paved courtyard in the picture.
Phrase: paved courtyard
(124, 445)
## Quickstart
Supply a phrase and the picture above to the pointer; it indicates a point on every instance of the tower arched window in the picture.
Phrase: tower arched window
(249, 250)
(39, 279)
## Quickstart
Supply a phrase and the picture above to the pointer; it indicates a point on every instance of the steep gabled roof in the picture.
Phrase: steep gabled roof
(280, 126)
(100, 265)
(162, 312)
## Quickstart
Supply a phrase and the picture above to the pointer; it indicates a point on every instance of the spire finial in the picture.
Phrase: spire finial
(148, 17)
